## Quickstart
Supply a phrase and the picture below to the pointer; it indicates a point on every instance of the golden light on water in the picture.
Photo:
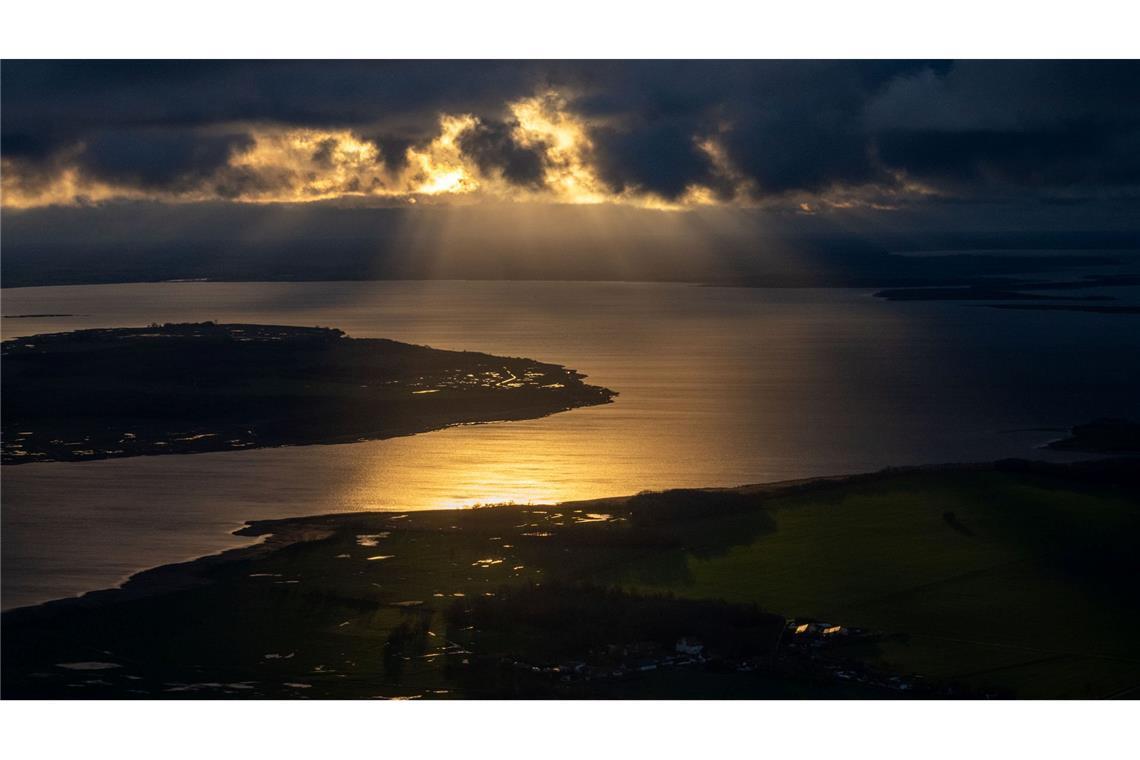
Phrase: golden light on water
(719, 386)
(483, 481)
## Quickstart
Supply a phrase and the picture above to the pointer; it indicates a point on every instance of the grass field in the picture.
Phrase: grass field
(1028, 588)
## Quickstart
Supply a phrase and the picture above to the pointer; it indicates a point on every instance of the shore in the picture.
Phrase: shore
(276, 534)
(499, 601)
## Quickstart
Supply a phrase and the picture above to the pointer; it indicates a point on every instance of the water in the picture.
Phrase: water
(719, 386)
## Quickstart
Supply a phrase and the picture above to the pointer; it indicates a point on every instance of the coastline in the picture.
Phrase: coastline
(931, 572)
(280, 533)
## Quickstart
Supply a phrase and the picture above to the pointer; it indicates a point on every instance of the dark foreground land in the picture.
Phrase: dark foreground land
(1007, 580)
(189, 388)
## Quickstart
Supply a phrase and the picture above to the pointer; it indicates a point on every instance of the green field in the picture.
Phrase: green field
(1030, 590)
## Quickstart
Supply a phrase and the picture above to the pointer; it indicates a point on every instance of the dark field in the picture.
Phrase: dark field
(189, 388)
(1012, 580)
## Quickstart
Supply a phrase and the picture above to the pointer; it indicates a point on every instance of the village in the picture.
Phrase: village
(806, 649)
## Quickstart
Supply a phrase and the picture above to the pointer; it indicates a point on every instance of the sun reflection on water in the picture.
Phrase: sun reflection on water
(719, 386)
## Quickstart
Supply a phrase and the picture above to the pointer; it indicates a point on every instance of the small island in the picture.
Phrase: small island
(201, 387)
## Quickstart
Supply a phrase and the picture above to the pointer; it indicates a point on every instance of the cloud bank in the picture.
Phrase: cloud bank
(805, 136)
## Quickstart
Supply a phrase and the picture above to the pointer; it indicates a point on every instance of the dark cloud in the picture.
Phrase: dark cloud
(972, 130)
(393, 149)
(803, 149)
(494, 148)
(72, 98)
(661, 157)
(1038, 159)
(27, 146)
(1039, 127)
(975, 128)
(157, 159)
(785, 125)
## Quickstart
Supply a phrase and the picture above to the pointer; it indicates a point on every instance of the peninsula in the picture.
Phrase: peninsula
(200, 387)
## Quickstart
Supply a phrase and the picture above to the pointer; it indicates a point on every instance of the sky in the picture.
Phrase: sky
(152, 150)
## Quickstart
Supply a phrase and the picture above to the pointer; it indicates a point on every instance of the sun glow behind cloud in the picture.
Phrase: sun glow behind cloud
(305, 164)
(545, 123)
(66, 186)
(272, 164)
(441, 167)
